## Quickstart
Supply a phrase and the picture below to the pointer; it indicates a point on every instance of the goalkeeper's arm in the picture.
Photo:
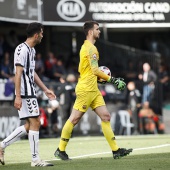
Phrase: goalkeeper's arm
(120, 84)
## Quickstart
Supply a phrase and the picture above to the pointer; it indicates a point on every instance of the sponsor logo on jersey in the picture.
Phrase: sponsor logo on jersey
(36, 111)
(84, 106)
(18, 60)
(71, 10)
(94, 56)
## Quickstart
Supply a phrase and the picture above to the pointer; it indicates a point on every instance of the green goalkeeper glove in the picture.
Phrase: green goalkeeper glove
(118, 82)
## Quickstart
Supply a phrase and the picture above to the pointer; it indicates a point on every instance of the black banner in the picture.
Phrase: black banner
(75, 12)
(19, 10)
(117, 13)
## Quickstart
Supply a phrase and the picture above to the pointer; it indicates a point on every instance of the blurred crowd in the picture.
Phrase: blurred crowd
(143, 100)
(147, 92)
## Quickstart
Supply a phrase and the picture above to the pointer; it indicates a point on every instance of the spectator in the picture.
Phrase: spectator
(9, 87)
(149, 78)
(147, 117)
(150, 120)
(134, 103)
(3, 47)
(39, 65)
(49, 64)
(66, 94)
(163, 78)
(131, 73)
(157, 101)
(58, 70)
(12, 40)
(6, 68)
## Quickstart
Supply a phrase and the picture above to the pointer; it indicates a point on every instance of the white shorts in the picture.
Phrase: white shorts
(29, 108)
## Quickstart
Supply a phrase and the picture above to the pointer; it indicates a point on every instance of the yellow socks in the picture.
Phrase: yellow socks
(106, 128)
(109, 135)
(65, 135)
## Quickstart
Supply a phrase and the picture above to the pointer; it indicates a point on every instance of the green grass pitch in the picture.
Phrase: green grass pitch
(151, 152)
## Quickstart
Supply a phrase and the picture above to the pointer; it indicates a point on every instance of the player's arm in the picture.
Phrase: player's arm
(118, 82)
(95, 67)
(18, 74)
(47, 92)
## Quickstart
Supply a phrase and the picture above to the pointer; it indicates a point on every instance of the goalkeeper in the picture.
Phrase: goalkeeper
(88, 94)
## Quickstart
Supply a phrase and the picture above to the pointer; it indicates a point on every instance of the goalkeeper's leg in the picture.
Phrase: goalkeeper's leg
(66, 134)
(108, 133)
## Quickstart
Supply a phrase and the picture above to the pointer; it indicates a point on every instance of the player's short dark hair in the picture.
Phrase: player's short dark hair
(34, 28)
(88, 25)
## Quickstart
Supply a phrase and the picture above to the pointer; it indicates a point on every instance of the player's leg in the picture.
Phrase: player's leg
(108, 133)
(2, 161)
(30, 111)
(66, 134)
(66, 109)
(104, 115)
(33, 137)
(80, 107)
(13, 137)
(100, 108)
(34, 142)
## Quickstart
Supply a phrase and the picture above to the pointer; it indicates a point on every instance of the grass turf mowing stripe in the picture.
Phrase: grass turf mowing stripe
(103, 153)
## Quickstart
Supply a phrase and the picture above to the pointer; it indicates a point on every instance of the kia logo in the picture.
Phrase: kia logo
(71, 10)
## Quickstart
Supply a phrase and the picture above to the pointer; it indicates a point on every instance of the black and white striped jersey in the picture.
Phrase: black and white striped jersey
(25, 56)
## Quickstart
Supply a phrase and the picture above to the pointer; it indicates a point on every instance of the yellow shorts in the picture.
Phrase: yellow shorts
(86, 99)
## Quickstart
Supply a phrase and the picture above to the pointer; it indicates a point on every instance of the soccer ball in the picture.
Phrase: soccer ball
(54, 104)
(107, 71)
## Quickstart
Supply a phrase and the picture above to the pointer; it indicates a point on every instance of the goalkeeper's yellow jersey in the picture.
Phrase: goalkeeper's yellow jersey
(88, 68)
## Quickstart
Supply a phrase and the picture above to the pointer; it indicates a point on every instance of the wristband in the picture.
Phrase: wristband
(111, 80)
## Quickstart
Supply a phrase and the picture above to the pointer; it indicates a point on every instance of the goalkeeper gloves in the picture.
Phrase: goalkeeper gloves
(118, 82)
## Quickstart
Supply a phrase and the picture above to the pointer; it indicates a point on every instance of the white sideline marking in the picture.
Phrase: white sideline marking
(152, 147)
(101, 153)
